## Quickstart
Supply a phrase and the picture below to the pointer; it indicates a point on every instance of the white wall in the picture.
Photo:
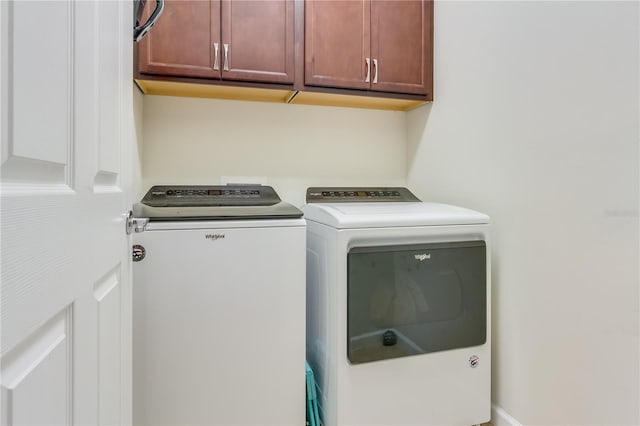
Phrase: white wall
(291, 147)
(536, 122)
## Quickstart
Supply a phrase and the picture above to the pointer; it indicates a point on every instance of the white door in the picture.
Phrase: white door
(66, 298)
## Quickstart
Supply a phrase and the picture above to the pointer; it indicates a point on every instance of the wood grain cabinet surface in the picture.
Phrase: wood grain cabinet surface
(373, 45)
(240, 40)
(358, 53)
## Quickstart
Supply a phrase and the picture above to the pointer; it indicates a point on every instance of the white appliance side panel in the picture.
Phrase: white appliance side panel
(219, 325)
(322, 312)
(430, 389)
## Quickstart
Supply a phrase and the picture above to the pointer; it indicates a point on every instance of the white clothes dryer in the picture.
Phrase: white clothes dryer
(398, 308)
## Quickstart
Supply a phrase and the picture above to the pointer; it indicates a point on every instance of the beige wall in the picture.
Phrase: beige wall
(536, 123)
(200, 141)
(136, 149)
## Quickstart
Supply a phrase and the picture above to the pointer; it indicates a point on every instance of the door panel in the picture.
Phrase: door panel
(65, 349)
(259, 36)
(108, 79)
(337, 43)
(25, 159)
(37, 373)
(182, 40)
(400, 42)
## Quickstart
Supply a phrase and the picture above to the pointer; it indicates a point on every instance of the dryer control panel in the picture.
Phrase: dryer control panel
(356, 195)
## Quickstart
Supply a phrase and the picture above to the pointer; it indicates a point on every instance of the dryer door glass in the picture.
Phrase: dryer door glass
(415, 299)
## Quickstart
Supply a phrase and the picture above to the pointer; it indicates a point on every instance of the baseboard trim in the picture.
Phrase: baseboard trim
(499, 417)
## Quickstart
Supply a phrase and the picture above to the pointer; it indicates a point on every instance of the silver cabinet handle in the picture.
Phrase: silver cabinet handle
(375, 71)
(226, 57)
(368, 63)
(216, 63)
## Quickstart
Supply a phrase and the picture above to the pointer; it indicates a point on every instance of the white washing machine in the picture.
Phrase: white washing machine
(398, 308)
(219, 308)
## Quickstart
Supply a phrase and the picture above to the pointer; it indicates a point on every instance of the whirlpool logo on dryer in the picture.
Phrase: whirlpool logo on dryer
(214, 237)
(422, 256)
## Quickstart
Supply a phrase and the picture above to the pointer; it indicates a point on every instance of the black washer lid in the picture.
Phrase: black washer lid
(213, 202)
(210, 195)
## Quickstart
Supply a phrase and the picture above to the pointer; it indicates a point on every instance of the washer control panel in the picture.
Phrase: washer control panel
(241, 193)
(200, 195)
(355, 195)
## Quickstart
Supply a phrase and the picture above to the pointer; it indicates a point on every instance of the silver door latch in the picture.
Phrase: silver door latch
(136, 224)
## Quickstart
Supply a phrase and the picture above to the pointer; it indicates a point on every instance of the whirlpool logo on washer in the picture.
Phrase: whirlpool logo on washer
(423, 256)
(214, 237)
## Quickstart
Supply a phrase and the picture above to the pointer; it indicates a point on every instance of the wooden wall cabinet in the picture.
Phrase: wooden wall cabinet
(238, 40)
(358, 53)
(373, 45)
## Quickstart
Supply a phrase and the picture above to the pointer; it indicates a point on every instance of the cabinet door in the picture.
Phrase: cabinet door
(337, 43)
(181, 43)
(401, 46)
(257, 40)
